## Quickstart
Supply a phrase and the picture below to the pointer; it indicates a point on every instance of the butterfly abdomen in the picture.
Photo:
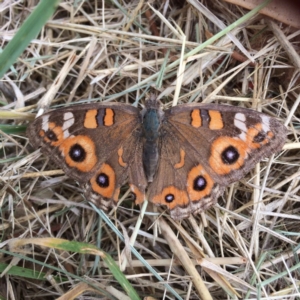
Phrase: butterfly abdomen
(151, 125)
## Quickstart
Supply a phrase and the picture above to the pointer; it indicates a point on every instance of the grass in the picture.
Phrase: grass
(244, 247)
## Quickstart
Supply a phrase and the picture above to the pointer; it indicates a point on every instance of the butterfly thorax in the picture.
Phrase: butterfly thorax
(152, 117)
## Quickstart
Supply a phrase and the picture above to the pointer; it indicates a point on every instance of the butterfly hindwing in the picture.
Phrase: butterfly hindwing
(181, 182)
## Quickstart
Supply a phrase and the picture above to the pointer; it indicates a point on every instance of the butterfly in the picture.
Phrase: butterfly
(181, 158)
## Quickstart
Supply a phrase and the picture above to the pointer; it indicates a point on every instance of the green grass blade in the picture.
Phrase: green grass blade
(83, 248)
(29, 30)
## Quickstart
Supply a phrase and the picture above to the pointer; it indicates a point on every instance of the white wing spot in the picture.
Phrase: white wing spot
(68, 122)
(239, 122)
(69, 116)
(45, 123)
(243, 136)
(265, 120)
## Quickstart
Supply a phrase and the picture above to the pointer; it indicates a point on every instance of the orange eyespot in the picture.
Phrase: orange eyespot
(54, 135)
(227, 154)
(79, 152)
(104, 182)
(199, 183)
(171, 197)
(256, 137)
(139, 196)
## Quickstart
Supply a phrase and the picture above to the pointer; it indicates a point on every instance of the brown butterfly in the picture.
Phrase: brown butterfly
(183, 156)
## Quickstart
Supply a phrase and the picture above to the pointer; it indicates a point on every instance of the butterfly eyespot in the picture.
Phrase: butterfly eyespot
(257, 136)
(77, 153)
(138, 195)
(169, 198)
(133, 196)
(104, 183)
(260, 137)
(230, 155)
(51, 135)
(102, 180)
(199, 183)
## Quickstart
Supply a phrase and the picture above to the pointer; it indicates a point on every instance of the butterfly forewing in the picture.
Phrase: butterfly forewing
(228, 140)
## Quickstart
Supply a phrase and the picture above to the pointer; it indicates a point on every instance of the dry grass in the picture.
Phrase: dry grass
(246, 247)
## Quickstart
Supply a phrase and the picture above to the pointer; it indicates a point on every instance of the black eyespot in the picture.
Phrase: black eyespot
(77, 153)
(199, 183)
(133, 196)
(102, 180)
(260, 137)
(169, 198)
(51, 136)
(230, 155)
